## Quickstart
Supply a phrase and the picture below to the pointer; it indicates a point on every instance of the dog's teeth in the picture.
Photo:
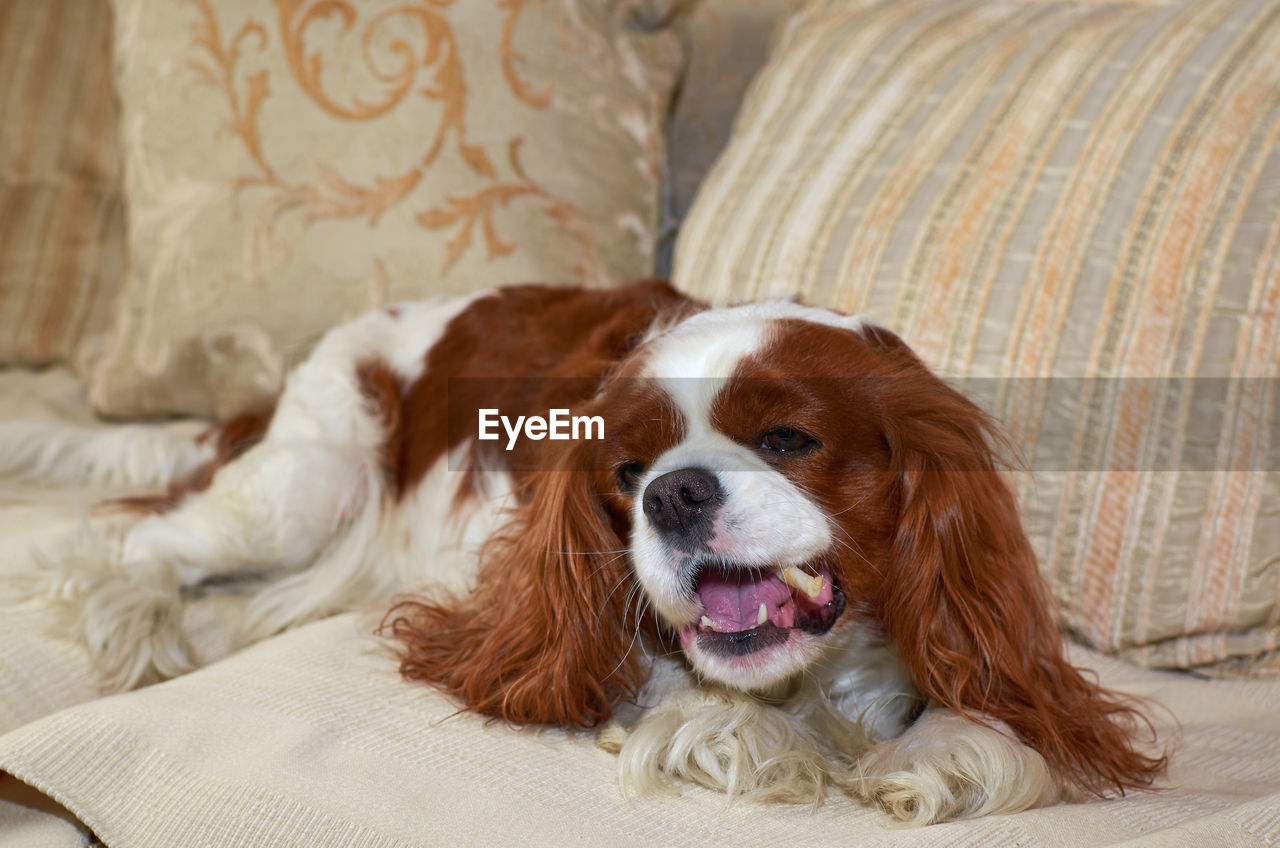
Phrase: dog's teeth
(802, 581)
(817, 587)
(763, 616)
(708, 623)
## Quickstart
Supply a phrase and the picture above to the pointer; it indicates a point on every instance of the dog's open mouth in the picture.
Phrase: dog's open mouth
(746, 610)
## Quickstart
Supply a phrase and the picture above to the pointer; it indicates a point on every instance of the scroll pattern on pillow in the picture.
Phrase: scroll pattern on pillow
(290, 164)
(1077, 207)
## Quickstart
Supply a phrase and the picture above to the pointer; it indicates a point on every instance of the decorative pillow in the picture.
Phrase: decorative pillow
(290, 165)
(1080, 204)
(61, 210)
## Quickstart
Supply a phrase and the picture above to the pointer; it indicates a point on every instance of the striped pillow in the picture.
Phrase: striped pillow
(1071, 203)
(61, 207)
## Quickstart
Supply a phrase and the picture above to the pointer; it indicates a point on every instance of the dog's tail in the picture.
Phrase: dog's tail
(123, 455)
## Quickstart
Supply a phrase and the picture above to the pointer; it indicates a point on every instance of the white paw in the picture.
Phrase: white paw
(732, 743)
(131, 624)
(946, 767)
(919, 794)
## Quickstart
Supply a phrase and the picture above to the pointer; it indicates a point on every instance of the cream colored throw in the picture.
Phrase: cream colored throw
(312, 740)
(1036, 190)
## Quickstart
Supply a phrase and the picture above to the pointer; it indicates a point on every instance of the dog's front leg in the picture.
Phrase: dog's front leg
(946, 766)
(787, 749)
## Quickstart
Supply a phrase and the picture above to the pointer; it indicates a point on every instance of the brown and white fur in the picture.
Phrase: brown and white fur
(565, 580)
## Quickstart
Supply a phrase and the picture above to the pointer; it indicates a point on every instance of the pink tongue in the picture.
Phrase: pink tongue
(732, 599)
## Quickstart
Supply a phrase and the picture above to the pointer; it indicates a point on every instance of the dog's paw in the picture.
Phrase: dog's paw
(611, 736)
(133, 630)
(725, 741)
(919, 794)
(946, 767)
(129, 620)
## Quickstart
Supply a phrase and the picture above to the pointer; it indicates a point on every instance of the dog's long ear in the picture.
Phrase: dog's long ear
(969, 610)
(546, 636)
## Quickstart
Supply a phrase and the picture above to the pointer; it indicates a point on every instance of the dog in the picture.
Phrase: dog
(761, 548)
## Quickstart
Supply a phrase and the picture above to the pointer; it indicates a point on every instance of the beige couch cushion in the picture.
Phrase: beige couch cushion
(291, 165)
(1069, 202)
(61, 204)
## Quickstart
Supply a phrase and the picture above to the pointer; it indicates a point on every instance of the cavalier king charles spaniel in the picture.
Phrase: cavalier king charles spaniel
(779, 555)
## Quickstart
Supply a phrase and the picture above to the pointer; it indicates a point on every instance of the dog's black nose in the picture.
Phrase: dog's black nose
(681, 504)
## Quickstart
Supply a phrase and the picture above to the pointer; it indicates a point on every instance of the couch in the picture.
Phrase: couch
(1068, 207)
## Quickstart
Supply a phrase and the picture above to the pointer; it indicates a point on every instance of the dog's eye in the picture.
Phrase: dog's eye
(786, 440)
(629, 476)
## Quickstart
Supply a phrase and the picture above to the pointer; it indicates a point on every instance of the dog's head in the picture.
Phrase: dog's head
(756, 490)
(771, 475)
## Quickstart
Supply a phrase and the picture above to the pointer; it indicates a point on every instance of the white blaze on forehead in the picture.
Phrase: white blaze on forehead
(693, 359)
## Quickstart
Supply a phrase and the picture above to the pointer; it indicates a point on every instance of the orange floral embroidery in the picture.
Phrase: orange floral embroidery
(465, 212)
(336, 196)
(521, 89)
(244, 115)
